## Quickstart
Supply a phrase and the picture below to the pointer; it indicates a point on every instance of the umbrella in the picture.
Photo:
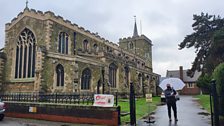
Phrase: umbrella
(176, 83)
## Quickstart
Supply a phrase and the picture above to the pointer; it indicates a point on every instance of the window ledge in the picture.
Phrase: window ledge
(23, 80)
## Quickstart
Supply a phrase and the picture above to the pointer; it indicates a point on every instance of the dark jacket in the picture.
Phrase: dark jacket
(170, 95)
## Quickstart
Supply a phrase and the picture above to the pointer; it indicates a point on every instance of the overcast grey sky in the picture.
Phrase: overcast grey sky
(165, 22)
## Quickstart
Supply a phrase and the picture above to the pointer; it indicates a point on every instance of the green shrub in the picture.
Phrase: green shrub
(203, 82)
(218, 75)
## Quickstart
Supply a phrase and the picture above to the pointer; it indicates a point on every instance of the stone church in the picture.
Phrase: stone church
(45, 53)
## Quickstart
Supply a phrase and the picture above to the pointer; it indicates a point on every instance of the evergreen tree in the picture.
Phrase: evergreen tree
(205, 27)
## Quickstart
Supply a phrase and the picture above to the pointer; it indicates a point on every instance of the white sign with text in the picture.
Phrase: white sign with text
(103, 100)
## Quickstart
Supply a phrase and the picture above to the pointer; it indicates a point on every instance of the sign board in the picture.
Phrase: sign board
(33, 109)
(148, 97)
(103, 100)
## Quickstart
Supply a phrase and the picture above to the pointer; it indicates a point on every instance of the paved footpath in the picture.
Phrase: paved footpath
(31, 122)
(189, 113)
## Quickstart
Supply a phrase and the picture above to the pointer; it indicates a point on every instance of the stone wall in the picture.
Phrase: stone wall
(142, 47)
(99, 55)
(2, 64)
(37, 26)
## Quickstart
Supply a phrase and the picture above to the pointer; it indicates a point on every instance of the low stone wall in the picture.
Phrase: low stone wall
(64, 113)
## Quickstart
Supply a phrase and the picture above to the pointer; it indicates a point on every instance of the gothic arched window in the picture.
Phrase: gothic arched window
(139, 80)
(112, 75)
(25, 55)
(85, 81)
(96, 48)
(85, 45)
(63, 43)
(131, 45)
(60, 75)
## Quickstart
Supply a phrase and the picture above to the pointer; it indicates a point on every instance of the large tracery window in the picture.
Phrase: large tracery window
(60, 75)
(112, 75)
(25, 55)
(63, 43)
(85, 81)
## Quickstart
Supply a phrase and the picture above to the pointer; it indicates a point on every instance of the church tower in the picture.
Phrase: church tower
(139, 45)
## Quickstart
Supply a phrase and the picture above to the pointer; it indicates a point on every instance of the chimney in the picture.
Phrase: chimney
(181, 73)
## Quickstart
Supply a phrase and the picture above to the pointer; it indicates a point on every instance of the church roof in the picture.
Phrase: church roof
(176, 73)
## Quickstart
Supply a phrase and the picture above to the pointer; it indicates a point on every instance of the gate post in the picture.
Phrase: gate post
(132, 105)
(119, 115)
(215, 103)
(211, 107)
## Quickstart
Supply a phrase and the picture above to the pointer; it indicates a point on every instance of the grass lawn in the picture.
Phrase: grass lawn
(204, 100)
(142, 107)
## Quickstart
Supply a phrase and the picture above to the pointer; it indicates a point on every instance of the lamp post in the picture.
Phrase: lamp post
(143, 85)
(132, 105)
(126, 68)
(103, 81)
(109, 86)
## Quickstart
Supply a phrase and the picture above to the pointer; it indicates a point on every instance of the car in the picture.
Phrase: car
(2, 110)
(162, 97)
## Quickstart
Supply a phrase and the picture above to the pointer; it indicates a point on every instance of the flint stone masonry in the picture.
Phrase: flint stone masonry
(96, 56)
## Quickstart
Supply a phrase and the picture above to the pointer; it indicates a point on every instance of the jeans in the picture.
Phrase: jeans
(174, 107)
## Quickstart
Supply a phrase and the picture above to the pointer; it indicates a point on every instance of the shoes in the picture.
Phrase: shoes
(175, 119)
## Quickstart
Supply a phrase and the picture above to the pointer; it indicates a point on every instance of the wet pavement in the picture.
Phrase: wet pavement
(188, 110)
(8, 121)
(189, 113)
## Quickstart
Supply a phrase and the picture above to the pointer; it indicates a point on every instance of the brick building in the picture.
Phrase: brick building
(45, 53)
(190, 87)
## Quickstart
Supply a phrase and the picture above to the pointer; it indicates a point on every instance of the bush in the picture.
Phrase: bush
(203, 82)
(218, 75)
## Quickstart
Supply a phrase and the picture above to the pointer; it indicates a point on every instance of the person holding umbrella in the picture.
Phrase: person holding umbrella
(171, 101)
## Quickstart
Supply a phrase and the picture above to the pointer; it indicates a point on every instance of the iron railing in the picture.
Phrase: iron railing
(86, 99)
(60, 98)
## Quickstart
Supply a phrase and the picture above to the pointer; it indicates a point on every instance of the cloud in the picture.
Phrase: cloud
(165, 22)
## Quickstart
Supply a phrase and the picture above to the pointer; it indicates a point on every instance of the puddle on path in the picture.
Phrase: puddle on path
(204, 113)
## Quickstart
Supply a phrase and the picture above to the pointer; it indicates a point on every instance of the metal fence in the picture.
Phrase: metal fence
(61, 98)
(86, 99)
(216, 104)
